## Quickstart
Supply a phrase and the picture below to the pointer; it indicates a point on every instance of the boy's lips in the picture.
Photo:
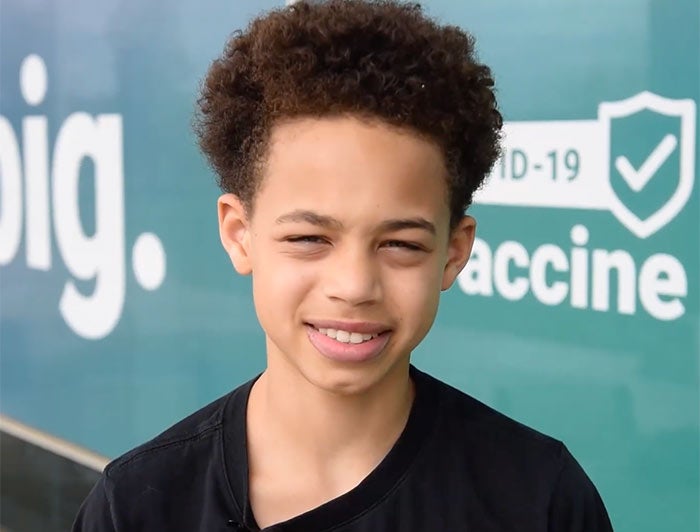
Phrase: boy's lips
(347, 351)
(362, 327)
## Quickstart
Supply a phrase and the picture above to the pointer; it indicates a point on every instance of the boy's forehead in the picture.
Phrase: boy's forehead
(370, 143)
(353, 168)
(299, 127)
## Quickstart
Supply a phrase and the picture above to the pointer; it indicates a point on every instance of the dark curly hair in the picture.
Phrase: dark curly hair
(372, 59)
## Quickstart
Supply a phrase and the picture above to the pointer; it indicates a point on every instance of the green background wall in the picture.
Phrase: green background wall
(619, 383)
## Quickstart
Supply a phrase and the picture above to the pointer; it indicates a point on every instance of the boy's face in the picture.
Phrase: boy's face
(349, 232)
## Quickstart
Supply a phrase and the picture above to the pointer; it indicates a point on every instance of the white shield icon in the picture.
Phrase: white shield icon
(685, 110)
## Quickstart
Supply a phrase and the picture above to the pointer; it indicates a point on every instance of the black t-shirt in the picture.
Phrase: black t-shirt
(457, 466)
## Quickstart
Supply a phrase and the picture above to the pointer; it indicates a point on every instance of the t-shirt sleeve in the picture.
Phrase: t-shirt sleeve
(576, 505)
(95, 514)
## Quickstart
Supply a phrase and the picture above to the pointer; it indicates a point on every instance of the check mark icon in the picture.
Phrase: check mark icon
(638, 179)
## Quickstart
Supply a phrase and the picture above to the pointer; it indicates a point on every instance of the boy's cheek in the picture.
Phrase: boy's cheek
(279, 282)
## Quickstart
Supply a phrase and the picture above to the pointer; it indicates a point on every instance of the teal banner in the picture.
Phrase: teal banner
(578, 313)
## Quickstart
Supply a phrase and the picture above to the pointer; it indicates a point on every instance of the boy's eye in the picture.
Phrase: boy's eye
(401, 244)
(310, 239)
(317, 239)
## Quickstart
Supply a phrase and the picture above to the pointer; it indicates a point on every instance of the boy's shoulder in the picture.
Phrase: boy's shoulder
(463, 413)
(471, 434)
(197, 431)
(147, 487)
(531, 477)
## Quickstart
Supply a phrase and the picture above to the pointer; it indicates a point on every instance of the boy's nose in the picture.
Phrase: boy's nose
(353, 276)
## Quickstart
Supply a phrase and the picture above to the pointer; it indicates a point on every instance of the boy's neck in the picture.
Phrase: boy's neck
(307, 446)
(324, 430)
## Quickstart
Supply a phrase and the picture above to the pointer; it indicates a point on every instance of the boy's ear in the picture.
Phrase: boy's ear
(459, 248)
(234, 231)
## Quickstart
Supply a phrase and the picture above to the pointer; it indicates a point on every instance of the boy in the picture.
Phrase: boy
(348, 138)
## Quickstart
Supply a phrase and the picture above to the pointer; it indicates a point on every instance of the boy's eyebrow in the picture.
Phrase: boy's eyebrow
(408, 223)
(310, 217)
(323, 220)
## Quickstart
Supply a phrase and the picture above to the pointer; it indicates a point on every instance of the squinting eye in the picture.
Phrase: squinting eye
(307, 239)
(403, 245)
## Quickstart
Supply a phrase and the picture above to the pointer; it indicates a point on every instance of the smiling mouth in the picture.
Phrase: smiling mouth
(347, 337)
(349, 332)
(333, 339)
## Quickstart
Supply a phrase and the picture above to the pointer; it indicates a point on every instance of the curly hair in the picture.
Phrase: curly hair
(373, 59)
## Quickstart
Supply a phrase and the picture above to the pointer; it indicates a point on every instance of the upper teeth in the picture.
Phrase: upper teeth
(347, 337)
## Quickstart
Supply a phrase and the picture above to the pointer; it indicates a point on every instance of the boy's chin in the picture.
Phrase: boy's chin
(347, 380)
